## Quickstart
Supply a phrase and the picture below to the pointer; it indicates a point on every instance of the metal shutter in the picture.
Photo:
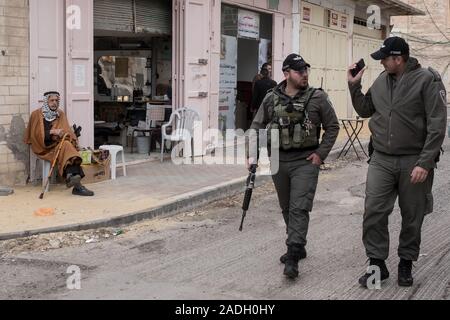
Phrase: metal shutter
(154, 16)
(113, 15)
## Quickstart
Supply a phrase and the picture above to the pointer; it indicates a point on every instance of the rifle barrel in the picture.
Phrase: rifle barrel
(244, 213)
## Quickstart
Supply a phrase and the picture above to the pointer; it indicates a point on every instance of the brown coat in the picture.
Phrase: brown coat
(35, 136)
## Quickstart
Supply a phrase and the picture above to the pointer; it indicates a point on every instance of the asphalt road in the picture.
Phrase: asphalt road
(201, 255)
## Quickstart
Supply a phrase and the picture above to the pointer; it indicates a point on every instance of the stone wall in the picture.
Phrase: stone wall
(14, 91)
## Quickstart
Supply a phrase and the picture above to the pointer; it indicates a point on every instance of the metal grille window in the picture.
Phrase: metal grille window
(114, 15)
(149, 16)
(360, 22)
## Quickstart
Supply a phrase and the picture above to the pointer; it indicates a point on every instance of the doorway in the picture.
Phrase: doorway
(246, 45)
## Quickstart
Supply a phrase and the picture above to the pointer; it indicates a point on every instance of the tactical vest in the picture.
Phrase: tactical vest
(290, 118)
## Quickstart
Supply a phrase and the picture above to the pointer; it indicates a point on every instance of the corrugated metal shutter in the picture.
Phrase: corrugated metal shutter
(154, 16)
(114, 15)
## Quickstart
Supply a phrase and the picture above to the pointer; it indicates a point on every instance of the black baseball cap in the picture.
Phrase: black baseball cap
(393, 46)
(295, 62)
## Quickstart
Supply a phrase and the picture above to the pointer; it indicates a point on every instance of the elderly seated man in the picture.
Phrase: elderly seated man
(46, 128)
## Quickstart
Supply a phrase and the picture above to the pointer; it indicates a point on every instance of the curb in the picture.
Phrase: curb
(184, 202)
(178, 204)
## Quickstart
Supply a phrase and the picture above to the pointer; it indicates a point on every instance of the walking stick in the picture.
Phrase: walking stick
(53, 165)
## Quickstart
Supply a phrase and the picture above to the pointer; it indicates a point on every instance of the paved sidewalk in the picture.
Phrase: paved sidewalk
(149, 190)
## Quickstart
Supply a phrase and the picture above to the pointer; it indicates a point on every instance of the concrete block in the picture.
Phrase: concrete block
(11, 159)
(9, 110)
(4, 168)
(4, 90)
(18, 90)
(4, 149)
(6, 119)
(8, 81)
(16, 100)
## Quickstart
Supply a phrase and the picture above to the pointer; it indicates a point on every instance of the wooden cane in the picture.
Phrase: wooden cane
(53, 165)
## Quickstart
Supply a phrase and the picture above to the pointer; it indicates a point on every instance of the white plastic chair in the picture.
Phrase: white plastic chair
(113, 151)
(182, 121)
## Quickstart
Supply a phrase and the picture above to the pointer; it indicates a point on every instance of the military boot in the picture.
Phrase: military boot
(284, 257)
(291, 264)
(405, 278)
(383, 270)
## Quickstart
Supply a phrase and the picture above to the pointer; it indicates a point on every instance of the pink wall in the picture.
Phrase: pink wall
(47, 48)
(61, 59)
(80, 69)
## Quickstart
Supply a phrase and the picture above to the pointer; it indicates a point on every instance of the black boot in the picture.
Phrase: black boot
(82, 191)
(405, 278)
(291, 264)
(283, 258)
(73, 180)
(383, 269)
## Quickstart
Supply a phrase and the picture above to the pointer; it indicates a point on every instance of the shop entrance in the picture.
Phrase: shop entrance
(132, 74)
(246, 44)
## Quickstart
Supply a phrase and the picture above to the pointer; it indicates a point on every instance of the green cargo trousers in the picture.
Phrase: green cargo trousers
(296, 183)
(388, 177)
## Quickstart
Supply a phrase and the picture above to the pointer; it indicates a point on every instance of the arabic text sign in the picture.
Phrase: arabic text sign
(248, 24)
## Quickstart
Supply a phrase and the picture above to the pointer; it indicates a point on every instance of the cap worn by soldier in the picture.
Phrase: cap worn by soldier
(393, 46)
(295, 62)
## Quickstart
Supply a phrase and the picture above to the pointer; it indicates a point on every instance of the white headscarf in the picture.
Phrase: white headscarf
(48, 113)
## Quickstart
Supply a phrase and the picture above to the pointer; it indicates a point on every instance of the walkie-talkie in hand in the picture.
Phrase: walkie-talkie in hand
(359, 66)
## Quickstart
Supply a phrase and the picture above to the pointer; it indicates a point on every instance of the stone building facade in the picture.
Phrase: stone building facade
(14, 90)
(428, 35)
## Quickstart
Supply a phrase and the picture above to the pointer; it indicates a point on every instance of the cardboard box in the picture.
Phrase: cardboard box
(96, 172)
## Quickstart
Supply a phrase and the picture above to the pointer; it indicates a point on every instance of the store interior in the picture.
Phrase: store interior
(132, 86)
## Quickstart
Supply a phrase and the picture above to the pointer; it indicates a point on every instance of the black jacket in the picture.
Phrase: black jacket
(259, 92)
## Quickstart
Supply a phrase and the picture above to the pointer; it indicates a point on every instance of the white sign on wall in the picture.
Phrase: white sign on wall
(228, 62)
(248, 24)
(79, 73)
(228, 82)
(227, 107)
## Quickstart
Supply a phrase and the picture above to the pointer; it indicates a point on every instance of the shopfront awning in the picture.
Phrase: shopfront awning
(393, 7)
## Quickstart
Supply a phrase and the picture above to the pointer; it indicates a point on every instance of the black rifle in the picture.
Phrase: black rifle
(248, 192)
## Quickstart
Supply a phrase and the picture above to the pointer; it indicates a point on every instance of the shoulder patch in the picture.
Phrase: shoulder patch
(436, 75)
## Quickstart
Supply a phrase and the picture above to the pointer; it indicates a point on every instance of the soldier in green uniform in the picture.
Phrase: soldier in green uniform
(407, 106)
(297, 112)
